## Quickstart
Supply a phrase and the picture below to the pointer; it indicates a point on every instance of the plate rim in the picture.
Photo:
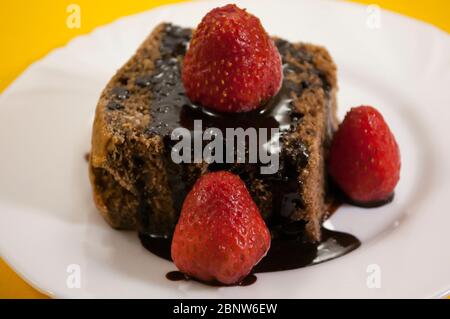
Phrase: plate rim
(16, 268)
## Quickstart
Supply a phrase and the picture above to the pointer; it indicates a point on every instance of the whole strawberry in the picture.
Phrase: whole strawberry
(364, 158)
(232, 65)
(220, 235)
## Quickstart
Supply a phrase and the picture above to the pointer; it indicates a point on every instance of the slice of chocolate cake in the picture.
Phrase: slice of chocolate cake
(136, 184)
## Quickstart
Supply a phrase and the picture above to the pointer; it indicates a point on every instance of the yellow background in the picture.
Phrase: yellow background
(30, 29)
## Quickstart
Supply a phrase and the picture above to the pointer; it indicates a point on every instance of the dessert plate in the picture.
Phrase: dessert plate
(52, 235)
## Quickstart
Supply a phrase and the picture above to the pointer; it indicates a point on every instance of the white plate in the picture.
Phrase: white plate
(48, 221)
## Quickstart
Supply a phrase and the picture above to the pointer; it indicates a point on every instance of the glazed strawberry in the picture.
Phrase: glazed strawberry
(232, 65)
(364, 157)
(220, 235)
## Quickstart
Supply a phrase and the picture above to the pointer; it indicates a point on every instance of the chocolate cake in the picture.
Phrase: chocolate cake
(136, 184)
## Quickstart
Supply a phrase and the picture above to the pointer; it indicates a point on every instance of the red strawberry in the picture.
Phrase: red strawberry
(220, 235)
(232, 65)
(364, 157)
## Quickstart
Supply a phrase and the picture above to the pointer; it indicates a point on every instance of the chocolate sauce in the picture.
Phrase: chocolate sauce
(179, 276)
(158, 245)
(176, 276)
(289, 250)
(340, 196)
(172, 109)
(372, 204)
(291, 253)
(249, 280)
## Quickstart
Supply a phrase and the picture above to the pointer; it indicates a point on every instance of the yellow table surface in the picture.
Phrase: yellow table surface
(31, 29)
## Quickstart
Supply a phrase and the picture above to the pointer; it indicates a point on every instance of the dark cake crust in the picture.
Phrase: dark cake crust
(135, 183)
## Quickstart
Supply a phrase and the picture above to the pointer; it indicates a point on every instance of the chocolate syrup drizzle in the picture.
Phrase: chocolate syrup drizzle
(171, 109)
(289, 250)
